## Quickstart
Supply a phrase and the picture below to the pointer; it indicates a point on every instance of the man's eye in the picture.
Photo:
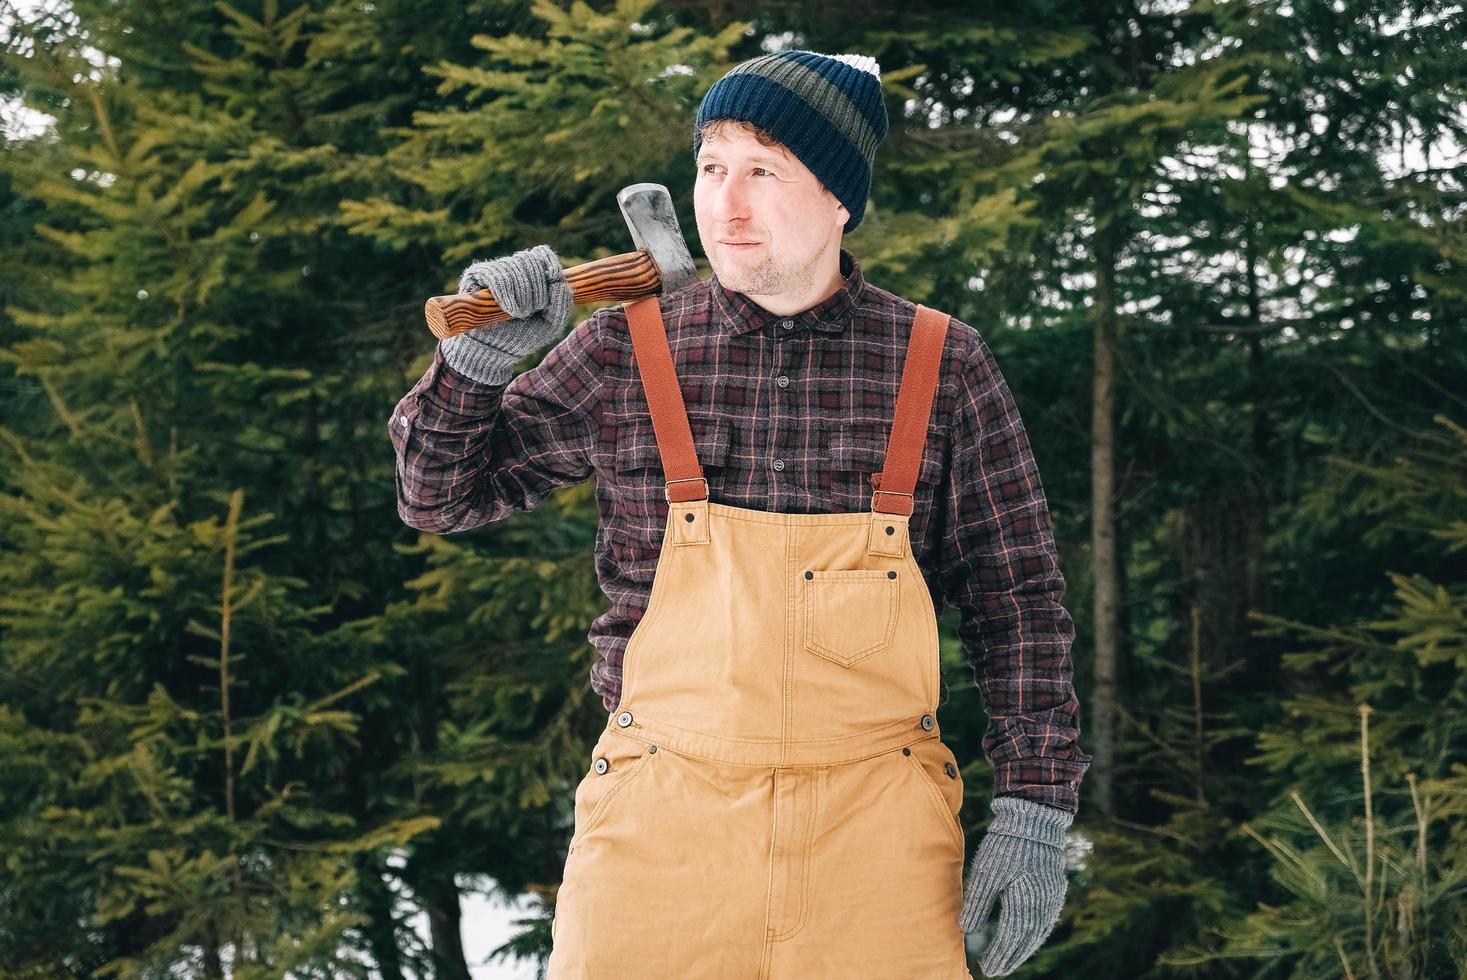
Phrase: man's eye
(707, 166)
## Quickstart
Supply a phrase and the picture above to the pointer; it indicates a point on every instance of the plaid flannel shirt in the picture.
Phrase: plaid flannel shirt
(789, 414)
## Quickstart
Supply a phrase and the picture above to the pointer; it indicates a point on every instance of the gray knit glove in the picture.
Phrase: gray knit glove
(1022, 858)
(531, 287)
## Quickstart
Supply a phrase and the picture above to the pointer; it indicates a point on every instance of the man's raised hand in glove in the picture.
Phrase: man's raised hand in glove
(1022, 859)
(531, 287)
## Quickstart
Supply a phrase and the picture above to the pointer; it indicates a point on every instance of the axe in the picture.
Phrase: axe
(661, 264)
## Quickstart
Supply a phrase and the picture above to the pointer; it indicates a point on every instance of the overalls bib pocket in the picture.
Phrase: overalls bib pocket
(616, 761)
(850, 613)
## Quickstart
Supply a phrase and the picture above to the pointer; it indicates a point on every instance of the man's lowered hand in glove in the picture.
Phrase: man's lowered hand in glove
(1020, 864)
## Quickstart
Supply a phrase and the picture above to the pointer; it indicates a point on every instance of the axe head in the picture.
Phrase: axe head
(647, 208)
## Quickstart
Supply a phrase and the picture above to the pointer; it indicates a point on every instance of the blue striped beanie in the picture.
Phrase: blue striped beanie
(826, 109)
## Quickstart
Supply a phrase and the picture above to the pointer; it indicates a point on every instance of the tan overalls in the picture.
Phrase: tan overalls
(772, 798)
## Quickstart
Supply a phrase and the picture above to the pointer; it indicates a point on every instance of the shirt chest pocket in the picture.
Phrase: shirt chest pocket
(638, 463)
(855, 453)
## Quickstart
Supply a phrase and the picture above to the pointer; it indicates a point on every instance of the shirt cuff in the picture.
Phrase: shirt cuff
(1055, 782)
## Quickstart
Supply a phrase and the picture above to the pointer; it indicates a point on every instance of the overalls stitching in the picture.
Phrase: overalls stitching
(654, 602)
(792, 543)
(645, 716)
(805, 859)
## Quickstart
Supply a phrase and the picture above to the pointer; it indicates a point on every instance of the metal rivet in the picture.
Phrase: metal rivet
(809, 574)
(688, 518)
(891, 574)
(906, 751)
(624, 719)
(602, 765)
(928, 721)
(890, 529)
(652, 749)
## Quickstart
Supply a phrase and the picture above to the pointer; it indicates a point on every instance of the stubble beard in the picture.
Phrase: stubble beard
(767, 277)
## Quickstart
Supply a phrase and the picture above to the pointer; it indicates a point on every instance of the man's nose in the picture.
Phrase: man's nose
(731, 200)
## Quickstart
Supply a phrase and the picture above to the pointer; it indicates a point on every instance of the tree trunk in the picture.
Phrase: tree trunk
(1217, 561)
(432, 869)
(381, 930)
(1100, 730)
(445, 924)
(213, 962)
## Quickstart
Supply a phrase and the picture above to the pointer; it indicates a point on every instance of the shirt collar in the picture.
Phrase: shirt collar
(830, 315)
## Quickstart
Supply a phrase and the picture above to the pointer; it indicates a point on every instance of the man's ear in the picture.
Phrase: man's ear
(841, 214)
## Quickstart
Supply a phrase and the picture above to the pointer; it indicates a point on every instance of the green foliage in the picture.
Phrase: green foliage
(251, 725)
(1375, 882)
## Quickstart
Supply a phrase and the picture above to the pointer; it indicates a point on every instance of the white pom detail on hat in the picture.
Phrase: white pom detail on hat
(862, 61)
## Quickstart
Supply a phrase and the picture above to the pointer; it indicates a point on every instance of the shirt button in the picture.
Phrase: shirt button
(402, 420)
(779, 464)
(787, 324)
(784, 382)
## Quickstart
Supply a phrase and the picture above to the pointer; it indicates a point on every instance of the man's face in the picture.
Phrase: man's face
(748, 192)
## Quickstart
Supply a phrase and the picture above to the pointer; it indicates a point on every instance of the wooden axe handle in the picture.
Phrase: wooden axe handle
(628, 276)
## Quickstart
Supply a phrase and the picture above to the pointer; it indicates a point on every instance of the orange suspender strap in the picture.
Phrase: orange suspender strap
(913, 409)
(685, 480)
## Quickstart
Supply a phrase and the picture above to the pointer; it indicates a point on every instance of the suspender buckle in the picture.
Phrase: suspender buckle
(690, 479)
(892, 493)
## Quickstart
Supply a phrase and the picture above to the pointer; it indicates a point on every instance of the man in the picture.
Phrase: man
(790, 364)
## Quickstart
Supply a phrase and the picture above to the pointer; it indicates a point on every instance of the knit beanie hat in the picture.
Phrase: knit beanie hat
(826, 109)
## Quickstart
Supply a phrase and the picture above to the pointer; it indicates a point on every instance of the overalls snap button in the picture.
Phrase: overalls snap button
(809, 574)
(906, 751)
(890, 529)
(688, 517)
(891, 574)
(602, 765)
(928, 721)
(652, 749)
(950, 769)
(624, 719)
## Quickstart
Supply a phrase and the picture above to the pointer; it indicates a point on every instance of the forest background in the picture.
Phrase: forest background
(251, 725)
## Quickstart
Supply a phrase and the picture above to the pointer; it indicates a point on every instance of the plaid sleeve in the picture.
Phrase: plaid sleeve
(998, 565)
(469, 453)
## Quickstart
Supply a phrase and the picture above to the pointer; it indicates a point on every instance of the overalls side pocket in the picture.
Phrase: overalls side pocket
(616, 761)
(938, 770)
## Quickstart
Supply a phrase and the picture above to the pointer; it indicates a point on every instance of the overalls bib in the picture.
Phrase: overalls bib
(772, 798)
